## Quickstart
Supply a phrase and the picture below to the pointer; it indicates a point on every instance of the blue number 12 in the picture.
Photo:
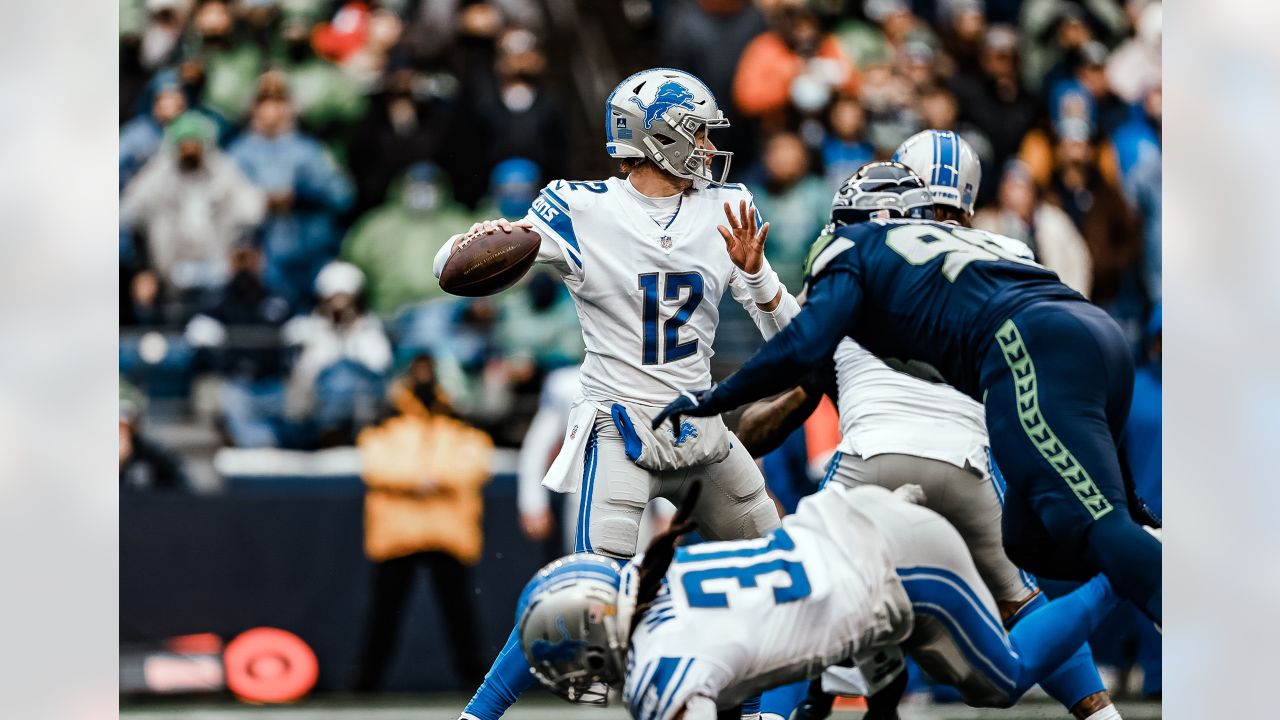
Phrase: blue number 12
(675, 284)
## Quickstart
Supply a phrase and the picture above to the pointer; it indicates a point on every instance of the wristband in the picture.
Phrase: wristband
(763, 285)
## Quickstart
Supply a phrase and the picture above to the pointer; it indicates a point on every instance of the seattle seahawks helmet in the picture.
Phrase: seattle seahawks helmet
(656, 114)
(571, 629)
(881, 190)
(947, 164)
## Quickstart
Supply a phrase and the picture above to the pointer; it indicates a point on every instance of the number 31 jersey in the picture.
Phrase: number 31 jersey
(737, 617)
(647, 295)
(933, 294)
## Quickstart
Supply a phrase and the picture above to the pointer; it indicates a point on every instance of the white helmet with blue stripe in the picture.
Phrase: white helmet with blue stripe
(656, 114)
(573, 620)
(948, 165)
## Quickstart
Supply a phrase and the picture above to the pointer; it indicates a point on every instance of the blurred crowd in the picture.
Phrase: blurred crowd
(288, 169)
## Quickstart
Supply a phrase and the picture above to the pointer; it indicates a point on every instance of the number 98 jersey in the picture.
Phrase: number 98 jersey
(933, 293)
(647, 294)
(734, 618)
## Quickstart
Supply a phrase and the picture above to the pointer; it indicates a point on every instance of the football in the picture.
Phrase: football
(485, 263)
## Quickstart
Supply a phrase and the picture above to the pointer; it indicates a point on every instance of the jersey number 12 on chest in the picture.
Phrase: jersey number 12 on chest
(671, 286)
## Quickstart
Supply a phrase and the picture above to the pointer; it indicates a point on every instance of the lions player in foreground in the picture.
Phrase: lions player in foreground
(856, 574)
(898, 429)
(646, 269)
(1053, 371)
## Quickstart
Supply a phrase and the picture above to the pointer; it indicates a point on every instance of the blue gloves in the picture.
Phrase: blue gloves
(694, 404)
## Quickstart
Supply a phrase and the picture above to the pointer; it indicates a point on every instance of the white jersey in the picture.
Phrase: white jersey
(647, 295)
(883, 411)
(735, 618)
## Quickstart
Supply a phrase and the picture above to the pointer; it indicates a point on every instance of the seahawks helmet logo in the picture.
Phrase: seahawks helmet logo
(670, 94)
(562, 651)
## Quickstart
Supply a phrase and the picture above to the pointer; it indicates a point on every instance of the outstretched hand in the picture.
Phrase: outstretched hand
(743, 240)
(688, 403)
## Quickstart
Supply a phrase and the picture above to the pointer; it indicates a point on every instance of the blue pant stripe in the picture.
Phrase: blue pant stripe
(957, 583)
(831, 469)
(983, 640)
(583, 543)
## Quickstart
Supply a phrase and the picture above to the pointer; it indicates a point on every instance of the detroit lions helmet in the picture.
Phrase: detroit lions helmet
(656, 114)
(571, 629)
(881, 190)
(947, 164)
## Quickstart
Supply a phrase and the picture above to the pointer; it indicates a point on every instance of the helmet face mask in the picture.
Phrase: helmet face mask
(657, 114)
(570, 628)
(881, 190)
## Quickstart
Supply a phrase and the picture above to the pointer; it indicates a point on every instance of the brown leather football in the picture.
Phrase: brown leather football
(487, 263)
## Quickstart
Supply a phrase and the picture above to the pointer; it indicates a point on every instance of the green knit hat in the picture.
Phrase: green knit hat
(191, 125)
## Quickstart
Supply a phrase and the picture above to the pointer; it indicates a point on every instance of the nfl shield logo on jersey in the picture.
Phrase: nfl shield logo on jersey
(665, 242)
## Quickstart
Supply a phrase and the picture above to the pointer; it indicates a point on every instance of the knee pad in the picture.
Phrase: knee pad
(615, 536)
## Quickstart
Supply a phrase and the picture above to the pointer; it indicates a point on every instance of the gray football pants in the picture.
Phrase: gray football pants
(968, 499)
(615, 491)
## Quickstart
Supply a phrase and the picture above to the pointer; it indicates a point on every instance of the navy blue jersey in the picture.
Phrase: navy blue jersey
(933, 294)
(925, 296)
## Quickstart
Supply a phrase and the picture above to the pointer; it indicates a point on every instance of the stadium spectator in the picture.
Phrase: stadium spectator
(191, 203)
(1137, 140)
(328, 102)
(845, 147)
(343, 354)
(404, 125)
(962, 30)
(159, 43)
(513, 185)
(995, 101)
(1045, 228)
(232, 62)
(144, 464)
(795, 202)
(795, 57)
(1085, 70)
(396, 243)
(306, 191)
(237, 337)
(367, 63)
(706, 38)
(1134, 66)
(1138, 151)
(1106, 221)
(899, 26)
(537, 330)
(521, 117)
(938, 109)
(142, 136)
(1051, 28)
(424, 471)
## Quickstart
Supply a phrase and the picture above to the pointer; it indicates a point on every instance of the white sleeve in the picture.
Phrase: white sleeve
(768, 322)
(545, 432)
(551, 216)
(700, 707)
(442, 255)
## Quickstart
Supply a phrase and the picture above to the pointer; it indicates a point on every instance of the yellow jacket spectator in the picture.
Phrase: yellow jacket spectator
(423, 509)
(424, 471)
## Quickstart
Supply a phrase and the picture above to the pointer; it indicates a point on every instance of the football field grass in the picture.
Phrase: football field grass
(542, 708)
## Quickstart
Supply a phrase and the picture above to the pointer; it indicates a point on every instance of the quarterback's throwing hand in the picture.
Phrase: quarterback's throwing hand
(693, 404)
